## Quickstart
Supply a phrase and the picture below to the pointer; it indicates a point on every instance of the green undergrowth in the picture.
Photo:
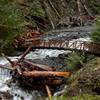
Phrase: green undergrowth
(95, 36)
(76, 60)
(11, 24)
(80, 97)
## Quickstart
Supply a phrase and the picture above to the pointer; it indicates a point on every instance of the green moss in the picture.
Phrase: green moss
(85, 80)
(94, 6)
(95, 36)
(86, 97)
(80, 97)
(75, 60)
(11, 24)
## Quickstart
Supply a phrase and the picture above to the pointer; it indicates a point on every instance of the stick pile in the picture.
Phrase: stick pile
(26, 39)
(35, 76)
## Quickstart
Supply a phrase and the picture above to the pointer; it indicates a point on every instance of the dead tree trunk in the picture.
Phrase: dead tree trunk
(46, 74)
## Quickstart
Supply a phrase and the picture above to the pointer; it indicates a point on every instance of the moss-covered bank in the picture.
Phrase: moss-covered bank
(86, 80)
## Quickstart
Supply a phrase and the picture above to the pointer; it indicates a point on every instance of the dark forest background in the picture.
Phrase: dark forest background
(17, 16)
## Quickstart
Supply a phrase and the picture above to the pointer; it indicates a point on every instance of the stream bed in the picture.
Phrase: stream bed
(42, 56)
(12, 91)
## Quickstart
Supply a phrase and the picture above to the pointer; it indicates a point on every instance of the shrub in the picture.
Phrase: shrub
(95, 36)
(75, 61)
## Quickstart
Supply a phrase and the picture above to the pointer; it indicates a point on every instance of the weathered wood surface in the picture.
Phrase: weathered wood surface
(87, 46)
(40, 66)
(44, 74)
(57, 34)
(45, 41)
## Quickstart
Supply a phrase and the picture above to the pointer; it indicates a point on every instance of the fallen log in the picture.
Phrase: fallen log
(31, 82)
(30, 37)
(53, 81)
(44, 74)
(25, 53)
(40, 66)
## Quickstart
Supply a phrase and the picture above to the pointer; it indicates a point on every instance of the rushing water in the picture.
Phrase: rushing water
(14, 90)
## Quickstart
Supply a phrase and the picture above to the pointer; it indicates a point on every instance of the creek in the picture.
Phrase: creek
(41, 56)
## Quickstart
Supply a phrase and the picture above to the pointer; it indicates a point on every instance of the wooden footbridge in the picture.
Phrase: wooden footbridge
(77, 45)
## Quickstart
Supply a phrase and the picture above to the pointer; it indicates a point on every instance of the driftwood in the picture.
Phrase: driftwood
(35, 76)
(25, 53)
(40, 66)
(44, 74)
(53, 81)
(25, 38)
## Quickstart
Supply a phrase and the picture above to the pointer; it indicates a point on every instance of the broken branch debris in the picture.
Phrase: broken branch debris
(41, 66)
(29, 74)
(46, 74)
